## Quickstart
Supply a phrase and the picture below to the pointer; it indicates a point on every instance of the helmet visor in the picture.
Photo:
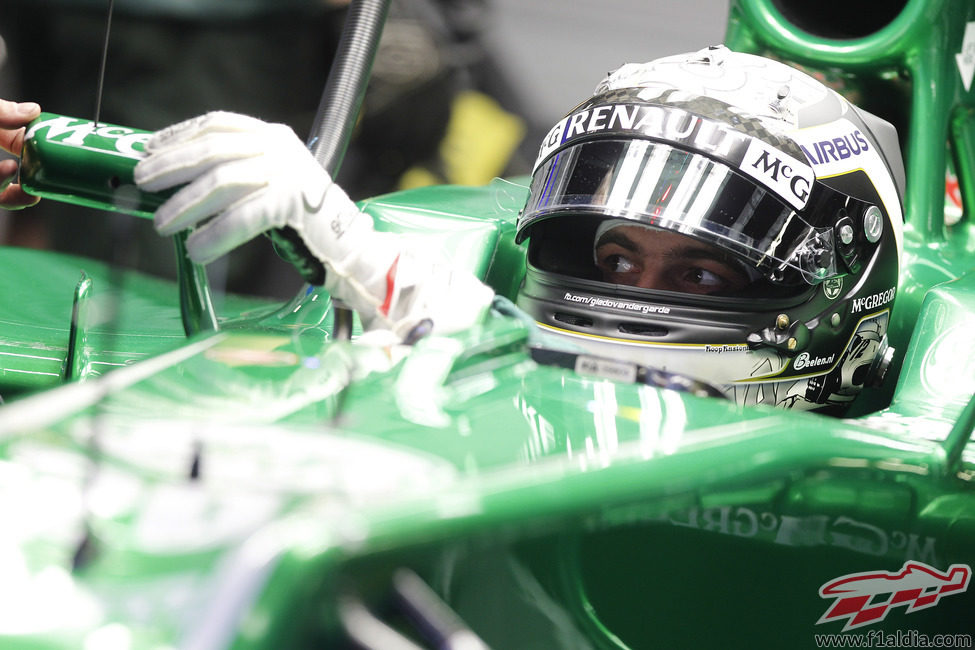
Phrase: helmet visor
(664, 188)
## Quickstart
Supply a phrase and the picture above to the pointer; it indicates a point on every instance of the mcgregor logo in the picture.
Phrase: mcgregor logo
(916, 586)
(873, 301)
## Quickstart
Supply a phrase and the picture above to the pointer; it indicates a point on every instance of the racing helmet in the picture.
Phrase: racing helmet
(726, 217)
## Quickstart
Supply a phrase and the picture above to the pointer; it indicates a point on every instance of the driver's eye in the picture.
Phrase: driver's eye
(616, 263)
(706, 279)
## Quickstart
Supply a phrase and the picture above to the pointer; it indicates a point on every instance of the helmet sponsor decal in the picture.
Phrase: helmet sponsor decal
(873, 301)
(837, 149)
(805, 360)
(784, 174)
(629, 306)
(637, 119)
(866, 598)
(788, 177)
(840, 147)
(726, 347)
(670, 124)
(832, 288)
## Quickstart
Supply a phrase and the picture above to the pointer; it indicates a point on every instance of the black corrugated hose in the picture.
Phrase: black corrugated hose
(334, 122)
(347, 81)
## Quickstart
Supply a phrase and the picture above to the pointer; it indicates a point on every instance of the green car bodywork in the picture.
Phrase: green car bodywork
(175, 475)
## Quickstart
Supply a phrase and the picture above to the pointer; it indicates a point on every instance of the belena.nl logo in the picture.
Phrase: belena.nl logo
(865, 598)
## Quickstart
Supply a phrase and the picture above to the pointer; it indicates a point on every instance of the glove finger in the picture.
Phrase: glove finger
(213, 122)
(237, 225)
(210, 194)
(182, 163)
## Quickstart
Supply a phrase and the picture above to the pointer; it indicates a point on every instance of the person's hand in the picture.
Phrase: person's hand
(243, 177)
(13, 118)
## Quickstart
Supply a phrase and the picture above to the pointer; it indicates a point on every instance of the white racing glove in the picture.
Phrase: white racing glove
(244, 177)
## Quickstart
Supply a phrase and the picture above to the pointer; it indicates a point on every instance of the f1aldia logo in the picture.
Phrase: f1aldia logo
(866, 598)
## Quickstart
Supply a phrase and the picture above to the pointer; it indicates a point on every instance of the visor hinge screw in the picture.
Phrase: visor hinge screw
(846, 234)
(835, 320)
(873, 224)
(782, 321)
(791, 343)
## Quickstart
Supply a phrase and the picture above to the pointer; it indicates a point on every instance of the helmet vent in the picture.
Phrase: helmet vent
(572, 319)
(643, 329)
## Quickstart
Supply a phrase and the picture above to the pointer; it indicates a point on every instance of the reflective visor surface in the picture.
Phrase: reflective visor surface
(684, 192)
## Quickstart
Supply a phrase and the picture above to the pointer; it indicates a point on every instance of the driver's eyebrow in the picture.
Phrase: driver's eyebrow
(683, 251)
(690, 251)
(618, 238)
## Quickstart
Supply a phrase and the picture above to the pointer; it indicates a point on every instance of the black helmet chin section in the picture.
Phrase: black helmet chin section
(616, 312)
